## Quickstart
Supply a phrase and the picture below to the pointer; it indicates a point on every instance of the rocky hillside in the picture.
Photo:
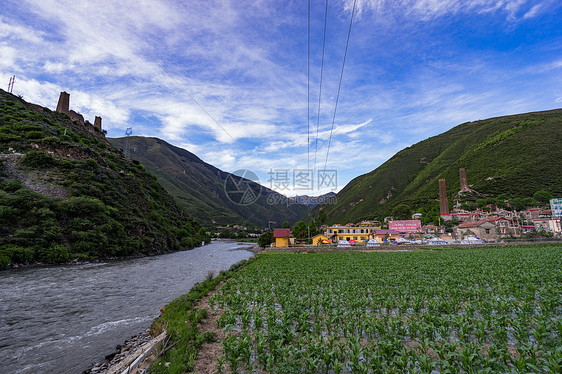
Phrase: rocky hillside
(513, 157)
(203, 190)
(66, 193)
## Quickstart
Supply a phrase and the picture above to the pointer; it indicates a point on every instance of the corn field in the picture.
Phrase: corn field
(443, 311)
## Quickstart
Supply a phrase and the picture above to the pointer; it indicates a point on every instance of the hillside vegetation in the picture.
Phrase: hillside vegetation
(512, 156)
(66, 193)
(200, 187)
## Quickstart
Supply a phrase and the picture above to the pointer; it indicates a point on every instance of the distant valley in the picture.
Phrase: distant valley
(200, 187)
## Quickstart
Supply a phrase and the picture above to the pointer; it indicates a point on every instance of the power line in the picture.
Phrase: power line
(321, 78)
(339, 86)
(308, 90)
(373, 94)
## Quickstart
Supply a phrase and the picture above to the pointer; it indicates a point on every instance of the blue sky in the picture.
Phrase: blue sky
(227, 80)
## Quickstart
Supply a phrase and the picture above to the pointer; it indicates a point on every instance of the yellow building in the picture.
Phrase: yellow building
(282, 237)
(319, 239)
(386, 235)
(360, 232)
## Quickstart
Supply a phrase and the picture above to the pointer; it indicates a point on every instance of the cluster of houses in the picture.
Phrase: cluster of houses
(484, 225)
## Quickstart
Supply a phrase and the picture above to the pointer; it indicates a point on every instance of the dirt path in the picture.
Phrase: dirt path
(206, 362)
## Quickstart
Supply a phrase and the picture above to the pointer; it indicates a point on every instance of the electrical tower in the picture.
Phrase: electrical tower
(127, 147)
(11, 84)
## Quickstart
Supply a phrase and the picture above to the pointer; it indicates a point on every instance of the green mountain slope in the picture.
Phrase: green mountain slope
(514, 156)
(65, 193)
(200, 187)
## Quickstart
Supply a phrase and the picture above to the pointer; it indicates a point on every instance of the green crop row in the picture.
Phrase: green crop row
(452, 311)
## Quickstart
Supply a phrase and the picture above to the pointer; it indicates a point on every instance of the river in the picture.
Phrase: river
(62, 319)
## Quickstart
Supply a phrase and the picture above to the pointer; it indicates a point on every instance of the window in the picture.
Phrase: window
(355, 238)
(487, 231)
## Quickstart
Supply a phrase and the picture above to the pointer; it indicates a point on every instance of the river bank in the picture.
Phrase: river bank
(61, 319)
(138, 351)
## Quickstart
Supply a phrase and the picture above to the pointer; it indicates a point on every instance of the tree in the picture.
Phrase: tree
(313, 229)
(286, 225)
(322, 217)
(402, 211)
(299, 230)
(542, 196)
(517, 203)
(266, 239)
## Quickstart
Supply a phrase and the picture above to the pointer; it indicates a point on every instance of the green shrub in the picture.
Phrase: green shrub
(4, 262)
(27, 127)
(34, 135)
(91, 163)
(55, 254)
(12, 185)
(66, 138)
(39, 160)
(6, 138)
(8, 214)
(81, 257)
(84, 206)
(52, 141)
(18, 255)
(6, 129)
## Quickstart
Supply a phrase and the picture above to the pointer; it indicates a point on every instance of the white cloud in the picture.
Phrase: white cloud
(533, 12)
(8, 30)
(429, 9)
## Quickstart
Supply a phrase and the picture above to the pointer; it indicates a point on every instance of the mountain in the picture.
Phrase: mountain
(312, 201)
(207, 193)
(512, 156)
(66, 193)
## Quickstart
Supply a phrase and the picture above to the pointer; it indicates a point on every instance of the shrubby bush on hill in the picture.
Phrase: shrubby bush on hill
(97, 204)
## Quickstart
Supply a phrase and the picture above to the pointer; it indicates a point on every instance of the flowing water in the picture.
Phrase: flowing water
(62, 319)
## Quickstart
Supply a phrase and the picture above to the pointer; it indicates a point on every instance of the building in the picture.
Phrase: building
(409, 226)
(386, 235)
(547, 224)
(489, 228)
(320, 239)
(535, 213)
(556, 207)
(282, 237)
(432, 230)
(360, 232)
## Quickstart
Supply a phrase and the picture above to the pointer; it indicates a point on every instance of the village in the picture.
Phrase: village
(474, 227)
(458, 226)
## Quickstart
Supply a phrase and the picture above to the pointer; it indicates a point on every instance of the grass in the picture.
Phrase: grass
(514, 156)
(497, 309)
(94, 202)
(180, 319)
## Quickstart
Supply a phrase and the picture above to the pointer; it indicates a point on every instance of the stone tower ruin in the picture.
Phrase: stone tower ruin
(64, 102)
(463, 180)
(443, 203)
(97, 123)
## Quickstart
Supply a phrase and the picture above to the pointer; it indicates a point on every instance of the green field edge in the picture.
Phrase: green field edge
(180, 320)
